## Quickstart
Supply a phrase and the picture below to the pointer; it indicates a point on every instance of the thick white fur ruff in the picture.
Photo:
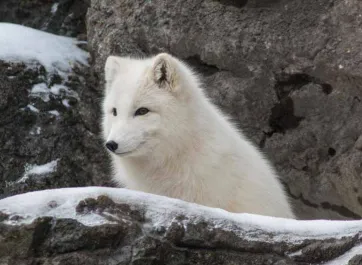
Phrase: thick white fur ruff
(184, 147)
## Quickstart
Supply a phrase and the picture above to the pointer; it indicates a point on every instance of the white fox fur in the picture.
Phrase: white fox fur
(184, 147)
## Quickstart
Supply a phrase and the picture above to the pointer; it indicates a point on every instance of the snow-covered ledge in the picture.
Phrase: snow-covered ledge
(97, 225)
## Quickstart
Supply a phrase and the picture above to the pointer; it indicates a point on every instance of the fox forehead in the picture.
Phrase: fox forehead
(132, 76)
(134, 89)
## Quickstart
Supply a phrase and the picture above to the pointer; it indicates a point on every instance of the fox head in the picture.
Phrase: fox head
(146, 104)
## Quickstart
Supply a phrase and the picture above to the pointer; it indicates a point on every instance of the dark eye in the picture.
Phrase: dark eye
(114, 112)
(141, 111)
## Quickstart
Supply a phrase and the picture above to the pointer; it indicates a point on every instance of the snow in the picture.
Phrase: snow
(66, 103)
(57, 54)
(162, 211)
(54, 8)
(42, 91)
(38, 170)
(32, 108)
(37, 131)
(54, 112)
(39, 88)
(295, 254)
(55, 89)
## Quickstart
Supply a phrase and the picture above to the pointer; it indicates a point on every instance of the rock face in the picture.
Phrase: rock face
(115, 226)
(63, 17)
(40, 136)
(50, 132)
(288, 71)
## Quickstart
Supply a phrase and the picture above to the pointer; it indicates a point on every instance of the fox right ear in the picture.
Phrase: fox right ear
(164, 71)
(111, 69)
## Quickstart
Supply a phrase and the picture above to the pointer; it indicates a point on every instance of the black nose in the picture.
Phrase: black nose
(112, 146)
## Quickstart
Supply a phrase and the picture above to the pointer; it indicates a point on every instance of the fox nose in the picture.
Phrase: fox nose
(112, 146)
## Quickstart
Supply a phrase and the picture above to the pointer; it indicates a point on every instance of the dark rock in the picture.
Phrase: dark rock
(288, 71)
(37, 138)
(64, 17)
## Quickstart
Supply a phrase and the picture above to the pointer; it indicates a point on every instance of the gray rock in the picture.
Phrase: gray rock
(64, 17)
(36, 138)
(29, 137)
(141, 232)
(356, 260)
(288, 71)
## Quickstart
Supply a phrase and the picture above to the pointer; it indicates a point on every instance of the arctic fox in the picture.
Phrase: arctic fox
(167, 138)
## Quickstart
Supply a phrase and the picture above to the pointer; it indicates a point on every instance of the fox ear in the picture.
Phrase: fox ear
(164, 71)
(112, 67)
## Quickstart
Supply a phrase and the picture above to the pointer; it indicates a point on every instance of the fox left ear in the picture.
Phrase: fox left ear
(114, 66)
(164, 71)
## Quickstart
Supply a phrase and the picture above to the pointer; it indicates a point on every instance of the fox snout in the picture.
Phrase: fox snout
(112, 146)
(121, 148)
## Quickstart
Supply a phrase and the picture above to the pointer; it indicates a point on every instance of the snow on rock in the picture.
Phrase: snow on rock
(58, 89)
(65, 102)
(38, 170)
(161, 209)
(54, 8)
(54, 112)
(39, 88)
(35, 131)
(42, 91)
(57, 54)
(142, 221)
(32, 108)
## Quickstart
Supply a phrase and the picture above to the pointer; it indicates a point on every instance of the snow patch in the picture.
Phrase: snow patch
(66, 103)
(56, 89)
(32, 108)
(57, 54)
(54, 112)
(54, 8)
(42, 91)
(38, 170)
(37, 131)
(39, 88)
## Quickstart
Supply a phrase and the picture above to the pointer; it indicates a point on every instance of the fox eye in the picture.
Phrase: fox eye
(114, 112)
(141, 111)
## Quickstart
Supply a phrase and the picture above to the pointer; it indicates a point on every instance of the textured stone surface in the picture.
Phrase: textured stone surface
(37, 138)
(138, 232)
(64, 17)
(289, 72)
